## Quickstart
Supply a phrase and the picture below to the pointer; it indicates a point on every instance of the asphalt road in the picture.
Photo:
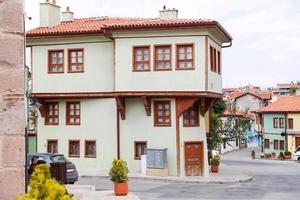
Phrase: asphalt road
(274, 180)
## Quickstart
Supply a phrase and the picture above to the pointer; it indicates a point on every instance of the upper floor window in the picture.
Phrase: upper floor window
(162, 113)
(281, 145)
(275, 144)
(75, 60)
(73, 113)
(185, 56)
(74, 148)
(191, 116)
(52, 113)
(281, 122)
(291, 123)
(275, 122)
(90, 149)
(162, 57)
(52, 146)
(215, 60)
(56, 61)
(141, 58)
(139, 149)
(219, 62)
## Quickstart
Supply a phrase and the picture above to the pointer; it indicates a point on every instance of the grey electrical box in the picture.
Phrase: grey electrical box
(156, 158)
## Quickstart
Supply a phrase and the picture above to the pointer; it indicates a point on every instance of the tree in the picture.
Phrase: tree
(293, 90)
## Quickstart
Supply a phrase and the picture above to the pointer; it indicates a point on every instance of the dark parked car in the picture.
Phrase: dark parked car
(72, 174)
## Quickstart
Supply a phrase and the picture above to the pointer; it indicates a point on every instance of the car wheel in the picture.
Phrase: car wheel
(299, 158)
(72, 182)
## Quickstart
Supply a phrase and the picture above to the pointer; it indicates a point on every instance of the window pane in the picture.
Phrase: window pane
(189, 65)
(73, 54)
(138, 51)
(60, 54)
(159, 113)
(146, 57)
(160, 106)
(73, 60)
(79, 53)
(167, 112)
(167, 106)
(159, 57)
(53, 60)
(139, 58)
(60, 61)
(181, 50)
(159, 51)
(181, 56)
(189, 49)
(160, 120)
(189, 56)
(167, 56)
(167, 50)
(146, 66)
(146, 51)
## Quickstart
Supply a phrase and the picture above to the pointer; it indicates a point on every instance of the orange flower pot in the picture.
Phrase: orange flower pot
(215, 168)
(121, 189)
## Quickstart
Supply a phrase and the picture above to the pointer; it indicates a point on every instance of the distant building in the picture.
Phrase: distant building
(284, 88)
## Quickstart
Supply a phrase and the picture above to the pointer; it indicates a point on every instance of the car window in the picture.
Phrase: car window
(58, 158)
(298, 149)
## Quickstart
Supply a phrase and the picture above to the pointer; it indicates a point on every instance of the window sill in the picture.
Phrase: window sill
(185, 69)
(162, 125)
(72, 124)
(191, 126)
(156, 69)
(74, 156)
(137, 158)
(56, 72)
(47, 124)
(86, 156)
(135, 70)
(71, 72)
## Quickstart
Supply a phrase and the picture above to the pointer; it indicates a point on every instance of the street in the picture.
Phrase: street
(273, 179)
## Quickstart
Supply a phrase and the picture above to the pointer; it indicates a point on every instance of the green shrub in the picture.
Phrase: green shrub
(215, 160)
(43, 187)
(287, 153)
(119, 171)
(281, 155)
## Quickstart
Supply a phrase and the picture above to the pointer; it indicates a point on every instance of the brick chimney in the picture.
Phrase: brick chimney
(67, 15)
(49, 14)
(168, 13)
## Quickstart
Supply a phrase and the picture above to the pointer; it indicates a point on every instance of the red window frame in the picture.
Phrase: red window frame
(142, 61)
(281, 122)
(191, 116)
(185, 60)
(219, 62)
(71, 152)
(275, 122)
(281, 144)
(52, 146)
(74, 60)
(161, 60)
(87, 153)
(55, 62)
(52, 113)
(73, 113)
(266, 143)
(162, 119)
(139, 149)
(291, 123)
(276, 144)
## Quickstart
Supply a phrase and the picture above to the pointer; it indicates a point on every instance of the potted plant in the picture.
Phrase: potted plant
(119, 175)
(281, 156)
(287, 155)
(215, 162)
(253, 154)
(268, 155)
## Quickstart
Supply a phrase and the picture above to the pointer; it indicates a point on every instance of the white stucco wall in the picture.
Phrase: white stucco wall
(248, 101)
(139, 127)
(175, 80)
(98, 122)
(97, 75)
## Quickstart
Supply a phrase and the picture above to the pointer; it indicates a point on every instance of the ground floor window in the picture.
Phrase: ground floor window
(52, 146)
(267, 144)
(275, 145)
(74, 148)
(90, 149)
(139, 149)
(281, 146)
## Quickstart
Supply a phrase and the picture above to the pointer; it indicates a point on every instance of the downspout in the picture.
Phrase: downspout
(285, 131)
(118, 134)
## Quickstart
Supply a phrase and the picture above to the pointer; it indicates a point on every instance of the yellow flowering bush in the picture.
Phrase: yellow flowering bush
(119, 171)
(43, 187)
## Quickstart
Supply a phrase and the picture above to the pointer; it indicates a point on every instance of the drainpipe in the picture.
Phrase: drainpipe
(285, 131)
(118, 134)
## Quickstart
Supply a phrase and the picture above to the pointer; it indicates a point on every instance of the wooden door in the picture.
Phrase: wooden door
(297, 141)
(193, 158)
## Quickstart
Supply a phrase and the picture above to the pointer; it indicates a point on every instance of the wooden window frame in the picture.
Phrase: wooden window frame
(68, 116)
(136, 157)
(267, 141)
(276, 144)
(281, 145)
(219, 62)
(70, 59)
(291, 123)
(164, 46)
(85, 149)
(52, 141)
(281, 122)
(275, 122)
(134, 69)
(69, 149)
(211, 56)
(50, 65)
(47, 116)
(195, 107)
(156, 123)
(193, 56)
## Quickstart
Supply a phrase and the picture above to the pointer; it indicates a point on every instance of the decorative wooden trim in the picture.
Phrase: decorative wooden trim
(63, 60)
(193, 56)
(85, 149)
(77, 95)
(206, 63)
(206, 104)
(155, 57)
(134, 61)
(121, 106)
(68, 103)
(156, 123)
(69, 60)
(73, 156)
(147, 104)
(135, 148)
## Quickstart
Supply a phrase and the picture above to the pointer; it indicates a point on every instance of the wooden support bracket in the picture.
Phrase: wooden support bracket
(121, 106)
(147, 104)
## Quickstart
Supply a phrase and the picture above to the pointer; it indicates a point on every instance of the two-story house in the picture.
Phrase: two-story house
(279, 124)
(112, 87)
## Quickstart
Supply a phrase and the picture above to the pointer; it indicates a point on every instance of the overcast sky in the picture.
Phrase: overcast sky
(266, 33)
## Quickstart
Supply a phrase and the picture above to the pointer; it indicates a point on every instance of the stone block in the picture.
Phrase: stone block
(12, 151)
(11, 16)
(12, 55)
(12, 183)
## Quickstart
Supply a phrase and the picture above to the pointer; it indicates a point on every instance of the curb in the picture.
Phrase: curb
(176, 180)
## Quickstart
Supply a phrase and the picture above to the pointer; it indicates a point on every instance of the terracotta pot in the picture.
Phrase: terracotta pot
(121, 189)
(288, 157)
(214, 168)
(253, 157)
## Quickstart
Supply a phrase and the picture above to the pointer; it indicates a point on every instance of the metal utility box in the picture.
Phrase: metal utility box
(59, 172)
(157, 158)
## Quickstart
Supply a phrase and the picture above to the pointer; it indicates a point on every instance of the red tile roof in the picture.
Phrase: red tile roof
(104, 24)
(283, 105)
(261, 95)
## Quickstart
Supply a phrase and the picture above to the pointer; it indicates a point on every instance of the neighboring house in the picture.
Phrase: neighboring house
(114, 87)
(279, 123)
(284, 88)
(298, 92)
